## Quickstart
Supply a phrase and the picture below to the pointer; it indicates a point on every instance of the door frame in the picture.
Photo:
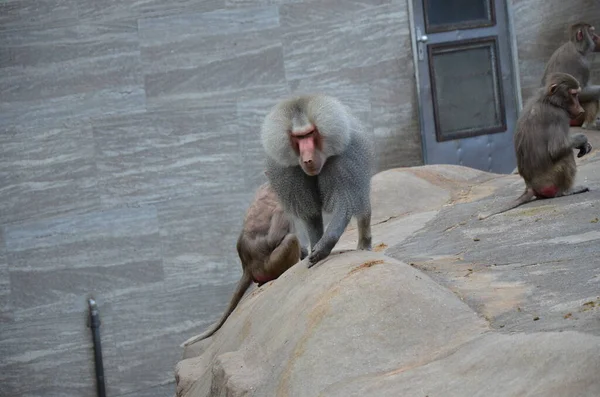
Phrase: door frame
(516, 75)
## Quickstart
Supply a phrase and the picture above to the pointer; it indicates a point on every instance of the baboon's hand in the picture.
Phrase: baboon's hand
(584, 149)
(313, 259)
(316, 256)
(322, 250)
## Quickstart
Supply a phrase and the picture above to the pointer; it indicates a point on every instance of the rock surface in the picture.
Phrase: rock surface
(445, 305)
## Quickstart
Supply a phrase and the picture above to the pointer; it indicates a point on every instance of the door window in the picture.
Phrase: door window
(458, 73)
(444, 15)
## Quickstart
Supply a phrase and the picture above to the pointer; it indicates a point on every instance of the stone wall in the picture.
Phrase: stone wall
(129, 154)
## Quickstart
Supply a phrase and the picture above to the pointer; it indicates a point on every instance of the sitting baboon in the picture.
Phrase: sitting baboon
(544, 148)
(267, 247)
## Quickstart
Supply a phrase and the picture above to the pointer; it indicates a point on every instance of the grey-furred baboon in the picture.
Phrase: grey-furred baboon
(543, 145)
(319, 159)
(575, 58)
(267, 247)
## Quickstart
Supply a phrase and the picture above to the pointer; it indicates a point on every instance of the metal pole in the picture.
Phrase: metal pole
(95, 326)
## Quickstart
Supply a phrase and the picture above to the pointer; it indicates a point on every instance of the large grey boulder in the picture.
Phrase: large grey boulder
(540, 364)
(355, 314)
(445, 305)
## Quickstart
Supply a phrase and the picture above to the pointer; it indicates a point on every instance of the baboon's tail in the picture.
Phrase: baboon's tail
(525, 197)
(242, 286)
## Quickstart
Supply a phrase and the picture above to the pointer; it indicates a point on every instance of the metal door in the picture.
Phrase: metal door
(465, 76)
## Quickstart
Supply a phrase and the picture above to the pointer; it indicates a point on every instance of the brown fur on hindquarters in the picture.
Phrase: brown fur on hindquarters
(574, 58)
(267, 247)
(543, 146)
(319, 159)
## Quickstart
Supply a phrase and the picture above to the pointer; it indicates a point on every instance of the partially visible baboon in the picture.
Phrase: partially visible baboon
(544, 148)
(267, 247)
(575, 58)
(319, 159)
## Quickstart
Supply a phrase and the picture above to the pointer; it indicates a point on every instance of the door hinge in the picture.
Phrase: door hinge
(421, 40)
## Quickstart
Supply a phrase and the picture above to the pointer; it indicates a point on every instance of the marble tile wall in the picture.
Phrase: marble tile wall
(128, 156)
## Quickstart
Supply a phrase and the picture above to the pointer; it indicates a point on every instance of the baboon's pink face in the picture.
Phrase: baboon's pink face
(588, 32)
(575, 109)
(307, 143)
